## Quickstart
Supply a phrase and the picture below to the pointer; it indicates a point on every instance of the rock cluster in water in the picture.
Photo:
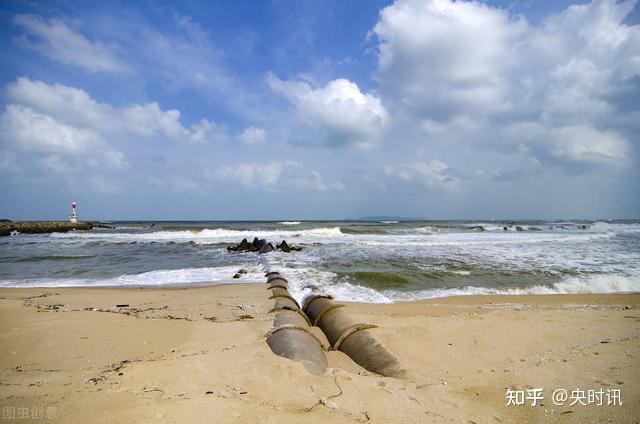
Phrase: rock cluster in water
(262, 246)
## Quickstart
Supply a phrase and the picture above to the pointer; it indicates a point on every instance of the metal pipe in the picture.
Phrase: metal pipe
(291, 336)
(350, 337)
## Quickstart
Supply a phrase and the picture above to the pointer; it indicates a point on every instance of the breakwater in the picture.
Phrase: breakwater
(39, 227)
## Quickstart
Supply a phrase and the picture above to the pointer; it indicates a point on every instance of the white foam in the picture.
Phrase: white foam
(594, 284)
(614, 226)
(428, 229)
(290, 223)
(163, 277)
(216, 235)
(303, 280)
(470, 238)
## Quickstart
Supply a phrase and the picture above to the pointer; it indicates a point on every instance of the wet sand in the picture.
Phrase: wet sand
(198, 355)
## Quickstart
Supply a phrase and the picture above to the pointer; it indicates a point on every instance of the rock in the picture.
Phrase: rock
(261, 246)
(236, 276)
(266, 248)
(243, 271)
(283, 246)
(244, 245)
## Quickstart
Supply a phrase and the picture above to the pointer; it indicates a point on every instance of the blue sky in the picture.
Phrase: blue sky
(320, 110)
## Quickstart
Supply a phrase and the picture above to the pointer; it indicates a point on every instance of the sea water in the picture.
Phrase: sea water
(368, 261)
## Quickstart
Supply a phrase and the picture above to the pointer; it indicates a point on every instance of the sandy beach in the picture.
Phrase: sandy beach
(199, 355)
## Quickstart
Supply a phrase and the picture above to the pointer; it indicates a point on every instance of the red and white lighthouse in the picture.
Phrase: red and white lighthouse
(74, 215)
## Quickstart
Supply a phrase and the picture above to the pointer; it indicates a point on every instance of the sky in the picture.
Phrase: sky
(260, 110)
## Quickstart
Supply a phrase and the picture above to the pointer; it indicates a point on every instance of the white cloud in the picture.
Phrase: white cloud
(453, 68)
(275, 175)
(56, 164)
(75, 106)
(56, 40)
(28, 131)
(586, 144)
(434, 174)
(149, 120)
(340, 111)
(32, 131)
(440, 54)
(253, 135)
(207, 131)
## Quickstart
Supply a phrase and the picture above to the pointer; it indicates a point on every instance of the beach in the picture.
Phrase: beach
(198, 354)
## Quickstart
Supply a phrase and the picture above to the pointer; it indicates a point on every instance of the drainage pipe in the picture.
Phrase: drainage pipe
(350, 337)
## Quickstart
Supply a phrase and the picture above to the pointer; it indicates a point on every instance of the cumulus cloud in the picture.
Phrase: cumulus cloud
(469, 68)
(58, 41)
(433, 174)
(32, 132)
(253, 135)
(207, 131)
(339, 111)
(75, 106)
(275, 175)
(440, 56)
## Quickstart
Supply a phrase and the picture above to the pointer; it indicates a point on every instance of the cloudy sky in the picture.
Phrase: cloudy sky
(320, 110)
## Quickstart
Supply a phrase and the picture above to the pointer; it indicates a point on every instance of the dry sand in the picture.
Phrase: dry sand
(198, 355)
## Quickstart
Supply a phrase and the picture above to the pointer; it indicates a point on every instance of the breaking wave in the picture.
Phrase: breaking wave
(205, 235)
(594, 284)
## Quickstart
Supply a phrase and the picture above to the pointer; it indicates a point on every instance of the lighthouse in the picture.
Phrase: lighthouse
(74, 216)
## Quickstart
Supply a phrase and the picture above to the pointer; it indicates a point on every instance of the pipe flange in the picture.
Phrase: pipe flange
(276, 277)
(286, 296)
(325, 310)
(274, 285)
(310, 298)
(349, 332)
(294, 327)
(291, 308)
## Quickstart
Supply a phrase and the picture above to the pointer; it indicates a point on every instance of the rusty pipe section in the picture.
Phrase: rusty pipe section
(350, 337)
(291, 336)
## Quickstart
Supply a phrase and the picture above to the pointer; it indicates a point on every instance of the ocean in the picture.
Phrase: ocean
(366, 261)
